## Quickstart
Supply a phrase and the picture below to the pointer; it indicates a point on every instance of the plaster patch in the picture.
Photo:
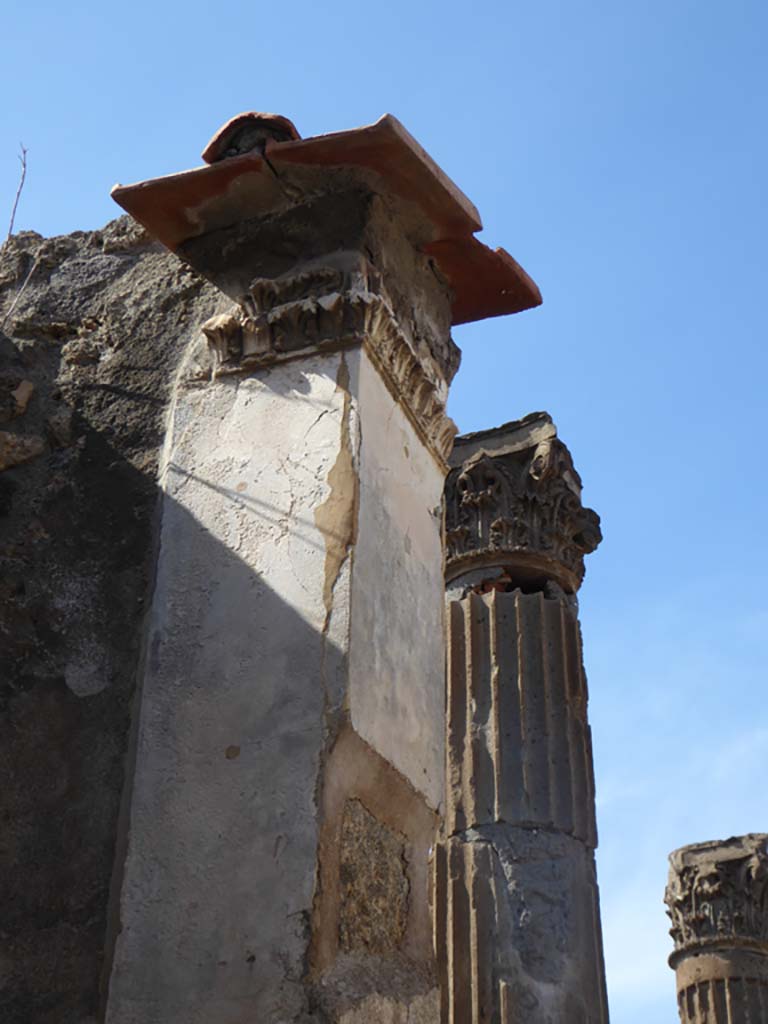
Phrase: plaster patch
(335, 518)
(222, 851)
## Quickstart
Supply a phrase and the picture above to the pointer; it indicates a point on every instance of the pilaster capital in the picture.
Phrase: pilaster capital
(351, 238)
(513, 501)
(333, 303)
(717, 896)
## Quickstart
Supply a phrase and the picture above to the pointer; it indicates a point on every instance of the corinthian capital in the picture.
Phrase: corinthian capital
(717, 895)
(513, 501)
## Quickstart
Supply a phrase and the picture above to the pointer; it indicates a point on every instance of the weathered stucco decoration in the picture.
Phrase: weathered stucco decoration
(717, 901)
(326, 308)
(514, 499)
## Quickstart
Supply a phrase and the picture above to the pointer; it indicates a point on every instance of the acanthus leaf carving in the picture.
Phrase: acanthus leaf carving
(717, 894)
(224, 334)
(520, 505)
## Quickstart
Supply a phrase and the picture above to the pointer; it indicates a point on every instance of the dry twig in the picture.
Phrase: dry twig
(23, 162)
(19, 293)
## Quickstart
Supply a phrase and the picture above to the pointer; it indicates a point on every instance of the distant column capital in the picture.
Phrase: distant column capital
(717, 899)
(718, 895)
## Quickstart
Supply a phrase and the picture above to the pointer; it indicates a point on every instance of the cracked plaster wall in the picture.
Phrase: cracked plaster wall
(242, 674)
(266, 483)
(299, 585)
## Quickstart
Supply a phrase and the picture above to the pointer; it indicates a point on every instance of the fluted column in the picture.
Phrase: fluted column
(519, 742)
(516, 888)
(717, 899)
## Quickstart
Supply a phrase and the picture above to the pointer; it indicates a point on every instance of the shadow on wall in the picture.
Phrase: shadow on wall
(94, 337)
(228, 776)
(236, 717)
(222, 846)
(94, 324)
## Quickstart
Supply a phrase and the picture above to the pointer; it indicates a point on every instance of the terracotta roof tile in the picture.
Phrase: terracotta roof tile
(236, 185)
(244, 130)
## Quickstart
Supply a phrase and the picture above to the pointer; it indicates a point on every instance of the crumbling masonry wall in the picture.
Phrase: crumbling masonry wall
(92, 327)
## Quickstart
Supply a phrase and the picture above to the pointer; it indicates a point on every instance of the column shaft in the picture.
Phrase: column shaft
(519, 749)
(516, 873)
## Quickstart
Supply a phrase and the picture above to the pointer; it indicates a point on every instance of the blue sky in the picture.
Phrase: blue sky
(619, 152)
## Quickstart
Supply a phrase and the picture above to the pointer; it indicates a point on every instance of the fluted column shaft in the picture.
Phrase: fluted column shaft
(517, 873)
(519, 743)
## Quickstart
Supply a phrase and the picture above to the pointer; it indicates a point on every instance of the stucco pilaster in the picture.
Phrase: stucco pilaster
(290, 728)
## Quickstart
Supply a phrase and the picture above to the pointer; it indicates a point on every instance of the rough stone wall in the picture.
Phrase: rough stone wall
(91, 328)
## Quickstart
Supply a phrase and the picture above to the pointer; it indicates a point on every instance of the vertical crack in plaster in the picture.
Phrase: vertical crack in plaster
(336, 517)
(336, 520)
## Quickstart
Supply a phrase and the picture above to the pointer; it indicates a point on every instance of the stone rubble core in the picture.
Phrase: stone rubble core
(289, 771)
(717, 901)
(517, 923)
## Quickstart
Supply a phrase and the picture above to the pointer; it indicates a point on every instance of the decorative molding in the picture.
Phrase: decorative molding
(519, 506)
(717, 895)
(324, 308)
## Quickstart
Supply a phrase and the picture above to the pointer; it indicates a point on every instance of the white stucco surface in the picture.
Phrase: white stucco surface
(397, 653)
(299, 573)
(220, 869)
